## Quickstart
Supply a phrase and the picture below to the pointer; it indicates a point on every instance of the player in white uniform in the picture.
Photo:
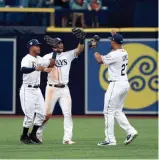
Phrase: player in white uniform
(57, 89)
(117, 61)
(31, 98)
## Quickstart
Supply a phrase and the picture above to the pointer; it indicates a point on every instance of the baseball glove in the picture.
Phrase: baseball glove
(94, 41)
(79, 33)
(53, 42)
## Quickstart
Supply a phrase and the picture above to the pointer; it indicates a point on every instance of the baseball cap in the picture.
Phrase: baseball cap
(58, 39)
(33, 42)
(118, 38)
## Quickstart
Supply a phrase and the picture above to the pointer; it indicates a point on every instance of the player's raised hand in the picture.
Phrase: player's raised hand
(94, 41)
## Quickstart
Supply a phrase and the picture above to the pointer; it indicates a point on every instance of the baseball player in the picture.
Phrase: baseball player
(58, 78)
(31, 98)
(117, 61)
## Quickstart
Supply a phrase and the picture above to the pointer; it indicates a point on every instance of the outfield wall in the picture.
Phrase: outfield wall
(88, 80)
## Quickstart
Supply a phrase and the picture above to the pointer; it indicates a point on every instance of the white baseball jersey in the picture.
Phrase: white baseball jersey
(60, 72)
(117, 62)
(29, 62)
(116, 93)
(31, 98)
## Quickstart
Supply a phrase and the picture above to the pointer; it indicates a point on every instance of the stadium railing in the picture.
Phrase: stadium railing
(40, 10)
(148, 29)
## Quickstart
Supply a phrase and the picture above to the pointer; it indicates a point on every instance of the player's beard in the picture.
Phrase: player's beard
(61, 49)
(38, 52)
(58, 49)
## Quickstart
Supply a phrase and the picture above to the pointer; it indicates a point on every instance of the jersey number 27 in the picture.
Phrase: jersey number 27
(123, 70)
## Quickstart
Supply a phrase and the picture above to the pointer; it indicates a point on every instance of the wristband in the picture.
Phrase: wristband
(54, 55)
(81, 41)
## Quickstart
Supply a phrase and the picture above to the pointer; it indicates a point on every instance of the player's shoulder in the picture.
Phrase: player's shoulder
(112, 53)
(39, 57)
(69, 51)
(26, 57)
(119, 52)
(122, 51)
(49, 55)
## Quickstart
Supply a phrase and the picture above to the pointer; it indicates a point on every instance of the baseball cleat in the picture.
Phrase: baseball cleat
(34, 139)
(68, 142)
(39, 137)
(25, 140)
(106, 143)
(130, 138)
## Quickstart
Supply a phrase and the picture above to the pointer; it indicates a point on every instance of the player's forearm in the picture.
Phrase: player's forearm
(80, 35)
(52, 63)
(27, 70)
(98, 57)
(48, 70)
(79, 48)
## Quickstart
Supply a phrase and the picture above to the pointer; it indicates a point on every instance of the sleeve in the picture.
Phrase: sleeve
(26, 67)
(73, 6)
(25, 63)
(47, 56)
(45, 60)
(108, 59)
(71, 54)
(26, 70)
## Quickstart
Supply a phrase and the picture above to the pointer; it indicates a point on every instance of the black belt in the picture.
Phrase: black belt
(57, 85)
(36, 86)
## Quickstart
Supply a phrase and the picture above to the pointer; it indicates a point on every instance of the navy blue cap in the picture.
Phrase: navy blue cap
(33, 42)
(118, 38)
(58, 39)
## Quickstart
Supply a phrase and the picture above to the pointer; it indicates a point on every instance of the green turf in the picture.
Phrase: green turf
(87, 133)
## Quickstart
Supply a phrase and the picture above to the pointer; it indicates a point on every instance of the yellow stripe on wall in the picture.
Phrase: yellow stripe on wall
(151, 29)
(50, 10)
(148, 29)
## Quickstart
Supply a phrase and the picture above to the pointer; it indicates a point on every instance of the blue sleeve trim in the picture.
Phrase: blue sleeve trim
(27, 70)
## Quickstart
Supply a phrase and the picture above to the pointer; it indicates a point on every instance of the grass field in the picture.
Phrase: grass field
(87, 133)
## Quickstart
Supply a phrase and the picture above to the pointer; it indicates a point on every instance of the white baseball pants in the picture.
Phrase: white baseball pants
(32, 103)
(62, 95)
(113, 105)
